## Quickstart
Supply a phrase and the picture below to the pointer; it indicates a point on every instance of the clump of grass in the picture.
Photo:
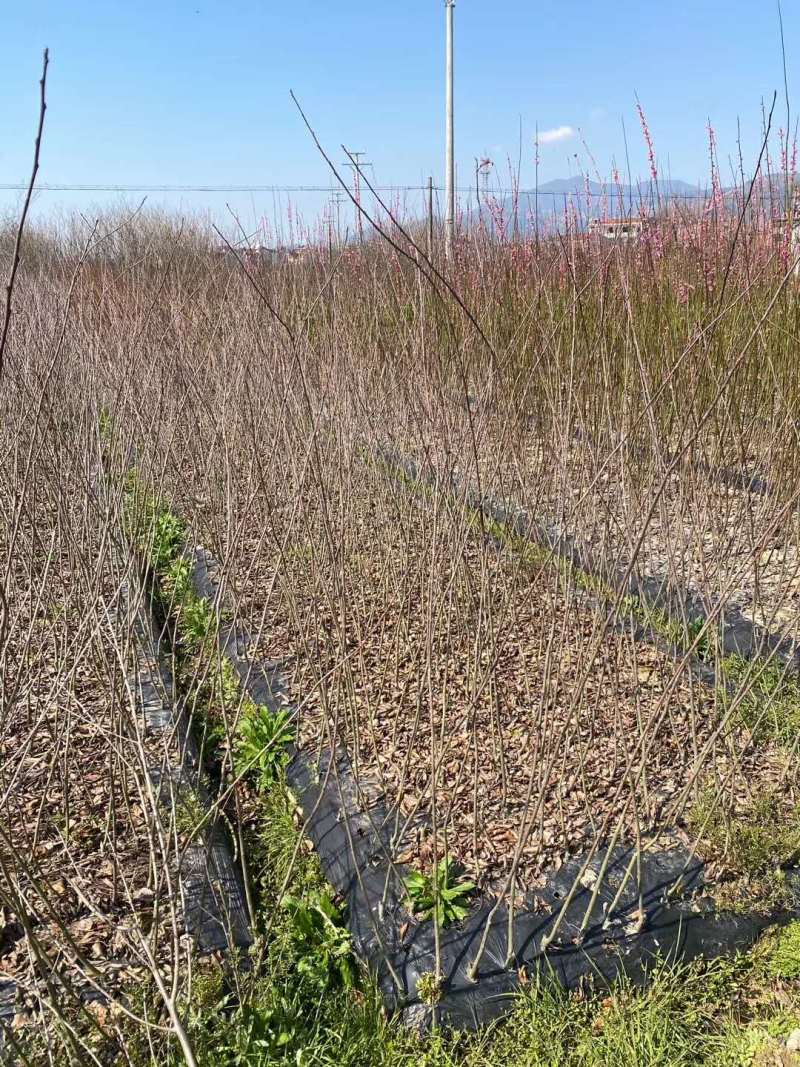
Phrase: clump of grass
(767, 894)
(706, 1014)
(663, 1028)
(189, 813)
(759, 1044)
(280, 858)
(545, 1029)
(783, 960)
(754, 841)
(770, 703)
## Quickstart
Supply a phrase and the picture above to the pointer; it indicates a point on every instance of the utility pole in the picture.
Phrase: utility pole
(329, 213)
(536, 201)
(450, 207)
(356, 164)
(337, 200)
(430, 219)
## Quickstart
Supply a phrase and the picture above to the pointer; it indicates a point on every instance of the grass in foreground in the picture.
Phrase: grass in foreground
(296, 1009)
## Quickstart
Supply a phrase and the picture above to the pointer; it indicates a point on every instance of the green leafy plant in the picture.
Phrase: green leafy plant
(227, 688)
(262, 738)
(197, 620)
(177, 580)
(157, 531)
(429, 988)
(697, 629)
(211, 736)
(166, 536)
(261, 1030)
(440, 895)
(322, 944)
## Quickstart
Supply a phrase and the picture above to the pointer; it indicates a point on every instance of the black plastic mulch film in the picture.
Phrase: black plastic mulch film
(212, 891)
(736, 632)
(624, 915)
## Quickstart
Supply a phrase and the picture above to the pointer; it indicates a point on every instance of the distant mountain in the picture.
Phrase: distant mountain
(590, 199)
(578, 185)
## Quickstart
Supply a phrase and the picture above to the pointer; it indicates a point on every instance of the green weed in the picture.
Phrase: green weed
(767, 893)
(165, 537)
(439, 896)
(196, 621)
(429, 988)
(770, 705)
(320, 941)
(176, 580)
(281, 862)
(261, 743)
(189, 813)
(105, 424)
(661, 1029)
(227, 685)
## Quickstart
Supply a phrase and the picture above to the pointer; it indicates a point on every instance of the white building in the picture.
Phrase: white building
(629, 229)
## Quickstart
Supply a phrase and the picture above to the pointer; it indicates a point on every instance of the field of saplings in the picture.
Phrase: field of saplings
(385, 638)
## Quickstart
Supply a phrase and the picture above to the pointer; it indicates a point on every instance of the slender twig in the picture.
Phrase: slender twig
(15, 258)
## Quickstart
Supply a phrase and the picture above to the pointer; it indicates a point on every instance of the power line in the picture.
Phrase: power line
(329, 190)
(91, 188)
(612, 192)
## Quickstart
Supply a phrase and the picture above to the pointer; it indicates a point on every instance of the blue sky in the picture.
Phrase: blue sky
(198, 92)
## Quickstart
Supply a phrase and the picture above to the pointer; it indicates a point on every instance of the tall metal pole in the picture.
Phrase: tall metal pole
(356, 163)
(450, 207)
(430, 218)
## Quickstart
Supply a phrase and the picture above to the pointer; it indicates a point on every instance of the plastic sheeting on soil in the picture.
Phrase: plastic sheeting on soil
(215, 911)
(212, 891)
(736, 632)
(659, 912)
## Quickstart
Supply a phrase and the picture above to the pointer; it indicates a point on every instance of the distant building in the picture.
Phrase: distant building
(299, 253)
(630, 229)
(788, 226)
(256, 255)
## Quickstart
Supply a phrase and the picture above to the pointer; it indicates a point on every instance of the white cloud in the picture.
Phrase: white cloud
(560, 133)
